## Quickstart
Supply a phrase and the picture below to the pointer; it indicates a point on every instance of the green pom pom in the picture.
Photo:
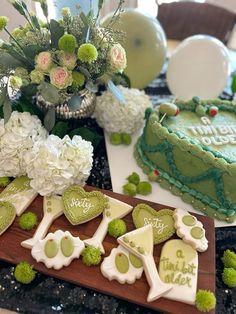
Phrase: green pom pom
(229, 277)
(229, 259)
(3, 22)
(144, 188)
(28, 221)
(205, 300)
(196, 100)
(91, 256)
(24, 273)
(87, 53)
(130, 189)
(4, 181)
(200, 110)
(67, 43)
(134, 178)
(78, 79)
(126, 139)
(117, 227)
(115, 138)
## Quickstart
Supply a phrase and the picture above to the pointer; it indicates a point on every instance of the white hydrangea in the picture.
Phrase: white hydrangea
(17, 137)
(58, 163)
(122, 118)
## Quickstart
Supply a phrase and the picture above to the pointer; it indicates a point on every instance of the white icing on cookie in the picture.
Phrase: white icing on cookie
(54, 258)
(190, 229)
(110, 271)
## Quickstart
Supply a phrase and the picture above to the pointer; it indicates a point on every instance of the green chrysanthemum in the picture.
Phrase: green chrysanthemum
(78, 79)
(24, 273)
(67, 43)
(4, 181)
(229, 277)
(28, 221)
(18, 33)
(117, 227)
(205, 300)
(3, 22)
(87, 53)
(36, 76)
(229, 259)
(91, 256)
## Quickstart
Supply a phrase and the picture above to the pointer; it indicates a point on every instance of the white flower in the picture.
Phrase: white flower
(117, 58)
(20, 133)
(122, 118)
(58, 163)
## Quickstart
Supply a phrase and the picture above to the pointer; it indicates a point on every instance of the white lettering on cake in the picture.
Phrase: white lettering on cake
(156, 223)
(84, 203)
(205, 120)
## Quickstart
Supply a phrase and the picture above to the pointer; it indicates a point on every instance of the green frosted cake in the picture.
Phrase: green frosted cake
(193, 154)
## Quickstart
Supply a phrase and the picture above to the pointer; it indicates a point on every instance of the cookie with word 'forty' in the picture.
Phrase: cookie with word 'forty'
(190, 229)
(178, 266)
(162, 221)
(81, 206)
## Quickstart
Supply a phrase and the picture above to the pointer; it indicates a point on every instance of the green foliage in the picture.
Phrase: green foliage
(91, 256)
(229, 259)
(50, 118)
(24, 273)
(57, 31)
(205, 300)
(117, 227)
(233, 84)
(49, 92)
(60, 129)
(28, 221)
(87, 134)
(7, 109)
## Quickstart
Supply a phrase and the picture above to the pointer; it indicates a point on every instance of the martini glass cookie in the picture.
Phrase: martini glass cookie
(140, 243)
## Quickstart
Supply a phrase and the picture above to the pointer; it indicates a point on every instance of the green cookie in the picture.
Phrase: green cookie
(81, 206)
(7, 215)
(162, 221)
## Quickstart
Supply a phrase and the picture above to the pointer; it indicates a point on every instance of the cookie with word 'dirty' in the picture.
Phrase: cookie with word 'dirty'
(122, 266)
(162, 221)
(81, 206)
(178, 266)
(190, 229)
(58, 249)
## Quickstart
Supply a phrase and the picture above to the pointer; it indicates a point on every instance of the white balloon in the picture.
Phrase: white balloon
(198, 67)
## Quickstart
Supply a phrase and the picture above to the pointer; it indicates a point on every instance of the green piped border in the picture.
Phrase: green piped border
(178, 191)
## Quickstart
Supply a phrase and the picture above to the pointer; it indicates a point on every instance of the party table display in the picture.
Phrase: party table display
(180, 266)
(189, 148)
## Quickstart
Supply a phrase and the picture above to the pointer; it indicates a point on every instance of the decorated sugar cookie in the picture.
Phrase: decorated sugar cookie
(179, 266)
(81, 206)
(122, 266)
(140, 243)
(57, 249)
(190, 229)
(52, 209)
(116, 209)
(19, 193)
(162, 221)
(7, 216)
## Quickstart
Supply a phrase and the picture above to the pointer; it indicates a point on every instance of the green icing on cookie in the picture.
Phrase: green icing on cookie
(197, 232)
(81, 206)
(17, 185)
(7, 215)
(135, 261)
(51, 248)
(67, 246)
(189, 220)
(162, 221)
(122, 263)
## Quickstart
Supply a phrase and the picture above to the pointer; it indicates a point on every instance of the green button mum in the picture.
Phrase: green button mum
(3, 22)
(78, 79)
(67, 43)
(87, 53)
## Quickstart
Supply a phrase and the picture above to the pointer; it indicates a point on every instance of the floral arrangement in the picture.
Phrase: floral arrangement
(61, 61)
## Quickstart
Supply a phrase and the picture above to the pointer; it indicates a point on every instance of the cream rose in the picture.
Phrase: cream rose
(44, 61)
(117, 58)
(61, 77)
(67, 59)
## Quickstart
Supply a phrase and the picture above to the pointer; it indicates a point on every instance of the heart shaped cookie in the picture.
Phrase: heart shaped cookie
(162, 221)
(81, 206)
(7, 215)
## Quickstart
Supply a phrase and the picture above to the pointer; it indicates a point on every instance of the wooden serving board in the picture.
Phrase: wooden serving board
(91, 277)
